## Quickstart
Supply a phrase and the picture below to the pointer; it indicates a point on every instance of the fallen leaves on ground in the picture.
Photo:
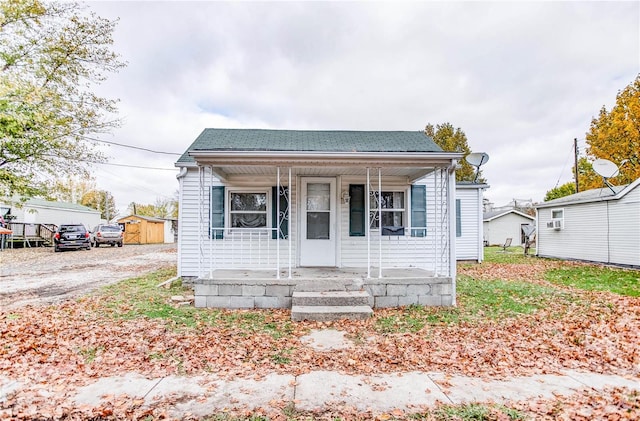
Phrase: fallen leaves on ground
(59, 348)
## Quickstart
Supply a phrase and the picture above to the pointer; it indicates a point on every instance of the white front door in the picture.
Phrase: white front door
(318, 222)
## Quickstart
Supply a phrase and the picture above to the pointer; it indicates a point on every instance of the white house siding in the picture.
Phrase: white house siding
(499, 229)
(397, 251)
(197, 252)
(51, 215)
(624, 229)
(584, 235)
(469, 245)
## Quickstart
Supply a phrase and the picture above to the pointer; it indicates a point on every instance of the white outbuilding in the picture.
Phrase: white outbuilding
(599, 225)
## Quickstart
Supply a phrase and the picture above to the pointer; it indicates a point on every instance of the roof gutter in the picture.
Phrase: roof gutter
(182, 173)
(291, 158)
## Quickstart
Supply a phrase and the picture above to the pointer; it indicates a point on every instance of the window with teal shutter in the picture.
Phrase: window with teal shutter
(418, 210)
(216, 208)
(458, 219)
(284, 211)
(356, 210)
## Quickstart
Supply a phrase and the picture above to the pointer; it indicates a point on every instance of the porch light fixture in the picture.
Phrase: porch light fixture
(345, 197)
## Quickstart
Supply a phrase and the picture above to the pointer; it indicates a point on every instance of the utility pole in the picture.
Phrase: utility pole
(575, 162)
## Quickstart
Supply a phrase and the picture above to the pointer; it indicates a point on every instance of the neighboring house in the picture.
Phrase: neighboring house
(469, 245)
(263, 210)
(498, 225)
(143, 229)
(40, 211)
(599, 225)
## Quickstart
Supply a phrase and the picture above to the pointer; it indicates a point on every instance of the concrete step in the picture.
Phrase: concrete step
(330, 298)
(329, 313)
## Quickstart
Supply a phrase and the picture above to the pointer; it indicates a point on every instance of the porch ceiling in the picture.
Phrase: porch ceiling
(231, 171)
(413, 165)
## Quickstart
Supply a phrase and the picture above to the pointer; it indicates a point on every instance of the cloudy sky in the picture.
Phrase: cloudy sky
(521, 79)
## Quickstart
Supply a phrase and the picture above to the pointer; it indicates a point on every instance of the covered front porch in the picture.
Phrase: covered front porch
(412, 262)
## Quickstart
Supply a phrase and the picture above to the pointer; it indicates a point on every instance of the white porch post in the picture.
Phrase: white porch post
(436, 220)
(209, 233)
(368, 227)
(200, 218)
(379, 224)
(452, 230)
(289, 220)
(278, 223)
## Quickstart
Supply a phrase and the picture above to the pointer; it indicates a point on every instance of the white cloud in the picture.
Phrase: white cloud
(522, 79)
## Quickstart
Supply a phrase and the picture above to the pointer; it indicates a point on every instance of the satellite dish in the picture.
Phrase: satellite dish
(605, 168)
(477, 159)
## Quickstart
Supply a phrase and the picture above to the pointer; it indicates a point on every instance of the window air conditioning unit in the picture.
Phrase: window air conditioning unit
(557, 224)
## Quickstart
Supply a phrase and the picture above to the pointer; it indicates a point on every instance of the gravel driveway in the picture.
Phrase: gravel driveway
(40, 276)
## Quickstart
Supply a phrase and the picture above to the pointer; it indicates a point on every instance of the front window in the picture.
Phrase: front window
(392, 211)
(248, 209)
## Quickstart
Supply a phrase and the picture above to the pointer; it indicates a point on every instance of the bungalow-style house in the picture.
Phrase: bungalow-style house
(268, 213)
(498, 225)
(599, 225)
(469, 245)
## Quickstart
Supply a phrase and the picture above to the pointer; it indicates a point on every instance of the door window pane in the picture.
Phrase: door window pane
(318, 225)
(318, 196)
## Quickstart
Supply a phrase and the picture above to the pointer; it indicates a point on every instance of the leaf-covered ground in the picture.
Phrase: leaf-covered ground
(509, 321)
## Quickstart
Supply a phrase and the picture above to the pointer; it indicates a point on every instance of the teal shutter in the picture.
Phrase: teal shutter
(458, 219)
(418, 210)
(216, 207)
(356, 210)
(284, 207)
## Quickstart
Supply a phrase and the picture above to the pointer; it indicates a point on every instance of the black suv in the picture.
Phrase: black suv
(106, 234)
(71, 236)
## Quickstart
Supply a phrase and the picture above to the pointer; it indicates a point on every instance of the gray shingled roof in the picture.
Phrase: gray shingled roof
(309, 141)
(486, 216)
(585, 196)
(60, 205)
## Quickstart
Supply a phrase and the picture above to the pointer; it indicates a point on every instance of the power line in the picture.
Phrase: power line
(564, 165)
(134, 185)
(132, 147)
(133, 166)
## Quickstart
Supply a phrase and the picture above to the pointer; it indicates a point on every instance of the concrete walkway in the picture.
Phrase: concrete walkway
(318, 390)
(382, 393)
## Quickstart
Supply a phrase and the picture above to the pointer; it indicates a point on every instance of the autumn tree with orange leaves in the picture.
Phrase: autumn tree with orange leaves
(615, 135)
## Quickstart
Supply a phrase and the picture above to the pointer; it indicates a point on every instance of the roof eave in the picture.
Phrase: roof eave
(616, 196)
(322, 158)
(575, 202)
(473, 186)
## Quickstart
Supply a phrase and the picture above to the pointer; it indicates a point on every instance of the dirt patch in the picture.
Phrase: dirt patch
(40, 276)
